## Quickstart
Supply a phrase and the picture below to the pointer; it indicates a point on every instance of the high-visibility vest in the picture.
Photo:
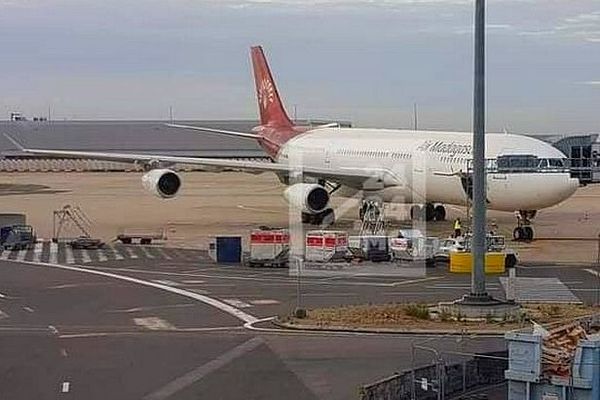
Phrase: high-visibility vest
(457, 224)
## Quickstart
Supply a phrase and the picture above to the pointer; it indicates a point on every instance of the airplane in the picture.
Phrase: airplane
(404, 166)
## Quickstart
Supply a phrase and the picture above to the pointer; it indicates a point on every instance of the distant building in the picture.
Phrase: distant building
(17, 116)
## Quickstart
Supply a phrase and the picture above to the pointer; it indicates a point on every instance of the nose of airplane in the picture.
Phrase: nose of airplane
(568, 188)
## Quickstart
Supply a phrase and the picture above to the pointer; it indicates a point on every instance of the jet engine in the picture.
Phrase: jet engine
(308, 197)
(164, 183)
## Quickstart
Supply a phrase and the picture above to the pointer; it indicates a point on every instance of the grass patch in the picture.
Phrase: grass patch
(419, 311)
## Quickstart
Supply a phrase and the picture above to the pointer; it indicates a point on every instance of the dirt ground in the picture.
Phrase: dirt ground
(235, 203)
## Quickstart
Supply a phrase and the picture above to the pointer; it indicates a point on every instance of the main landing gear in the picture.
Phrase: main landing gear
(429, 212)
(524, 231)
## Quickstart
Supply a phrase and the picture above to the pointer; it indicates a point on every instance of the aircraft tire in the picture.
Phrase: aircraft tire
(518, 234)
(416, 211)
(528, 233)
(429, 212)
(439, 213)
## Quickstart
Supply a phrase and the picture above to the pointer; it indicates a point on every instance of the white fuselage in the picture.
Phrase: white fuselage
(427, 166)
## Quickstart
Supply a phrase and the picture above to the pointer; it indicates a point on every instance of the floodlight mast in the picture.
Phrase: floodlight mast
(478, 288)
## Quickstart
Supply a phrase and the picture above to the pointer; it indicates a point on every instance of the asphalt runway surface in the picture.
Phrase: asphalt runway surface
(181, 327)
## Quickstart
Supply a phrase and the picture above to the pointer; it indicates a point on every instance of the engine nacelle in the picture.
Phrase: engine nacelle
(308, 197)
(164, 183)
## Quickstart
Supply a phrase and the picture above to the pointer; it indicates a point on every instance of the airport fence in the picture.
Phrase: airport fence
(452, 380)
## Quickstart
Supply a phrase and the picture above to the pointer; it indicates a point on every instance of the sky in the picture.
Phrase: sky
(366, 61)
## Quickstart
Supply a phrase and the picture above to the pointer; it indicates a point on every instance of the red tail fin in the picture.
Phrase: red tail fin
(270, 106)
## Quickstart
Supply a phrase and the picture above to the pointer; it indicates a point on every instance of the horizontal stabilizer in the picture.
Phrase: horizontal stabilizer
(217, 131)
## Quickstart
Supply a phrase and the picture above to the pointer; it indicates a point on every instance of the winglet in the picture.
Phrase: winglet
(15, 142)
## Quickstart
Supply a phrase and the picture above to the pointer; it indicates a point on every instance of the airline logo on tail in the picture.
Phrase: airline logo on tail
(266, 93)
(270, 106)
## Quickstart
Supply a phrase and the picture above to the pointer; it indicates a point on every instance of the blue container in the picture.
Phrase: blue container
(229, 249)
(525, 381)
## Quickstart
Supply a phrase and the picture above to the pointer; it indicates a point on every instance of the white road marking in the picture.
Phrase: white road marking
(3, 314)
(226, 308)
(276, 281)
(65, 387)
(237, 303)
(101, 255)
(53, 253)
(154, 323)
(85, 256)
(63, 352)
(21, 255)
(3, 296)
(138, 309)
(53, 329)
(195, 375)
(69, 257)
(130, 253)
(28, 309)
(164, 254)
(193, 282)
(146, 252)
(37, 251)
(264, 302)
(118, 256)
(593, 272)
(165, 282)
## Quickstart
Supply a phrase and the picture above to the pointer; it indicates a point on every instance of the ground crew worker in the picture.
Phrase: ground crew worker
(457, 228)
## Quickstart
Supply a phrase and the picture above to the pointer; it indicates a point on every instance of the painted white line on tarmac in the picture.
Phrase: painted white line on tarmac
(28, 309)
(164, 254)
(118, 255)
(226, 308)
(237, 303)
(154, 323)
(591, 271)
(69, 257)
(65, 387)
(101, 255)
(21, 255)
(53, 253)
(3, 296)
(195, 375)
(85, 256)
(146, 252)
(264, 302)
(276, 281)
(37, 251)
(130, 252)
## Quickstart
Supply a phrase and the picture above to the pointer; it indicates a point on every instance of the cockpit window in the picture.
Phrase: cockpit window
(556, 162)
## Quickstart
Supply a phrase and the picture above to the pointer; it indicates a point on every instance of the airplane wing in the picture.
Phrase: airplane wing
(350, 174)
(219, 131)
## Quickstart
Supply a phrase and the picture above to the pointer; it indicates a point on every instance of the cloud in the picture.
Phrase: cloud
(583, 26)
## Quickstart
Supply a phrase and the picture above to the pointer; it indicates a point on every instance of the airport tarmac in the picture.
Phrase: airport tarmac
(151, 322)
(235, 203)
(160, 322)
(158, 329)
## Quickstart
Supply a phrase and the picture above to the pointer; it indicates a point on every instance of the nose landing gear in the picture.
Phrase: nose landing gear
(524, 231)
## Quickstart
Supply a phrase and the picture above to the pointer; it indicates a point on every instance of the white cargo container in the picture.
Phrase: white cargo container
(269, 247)
(323, 246)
